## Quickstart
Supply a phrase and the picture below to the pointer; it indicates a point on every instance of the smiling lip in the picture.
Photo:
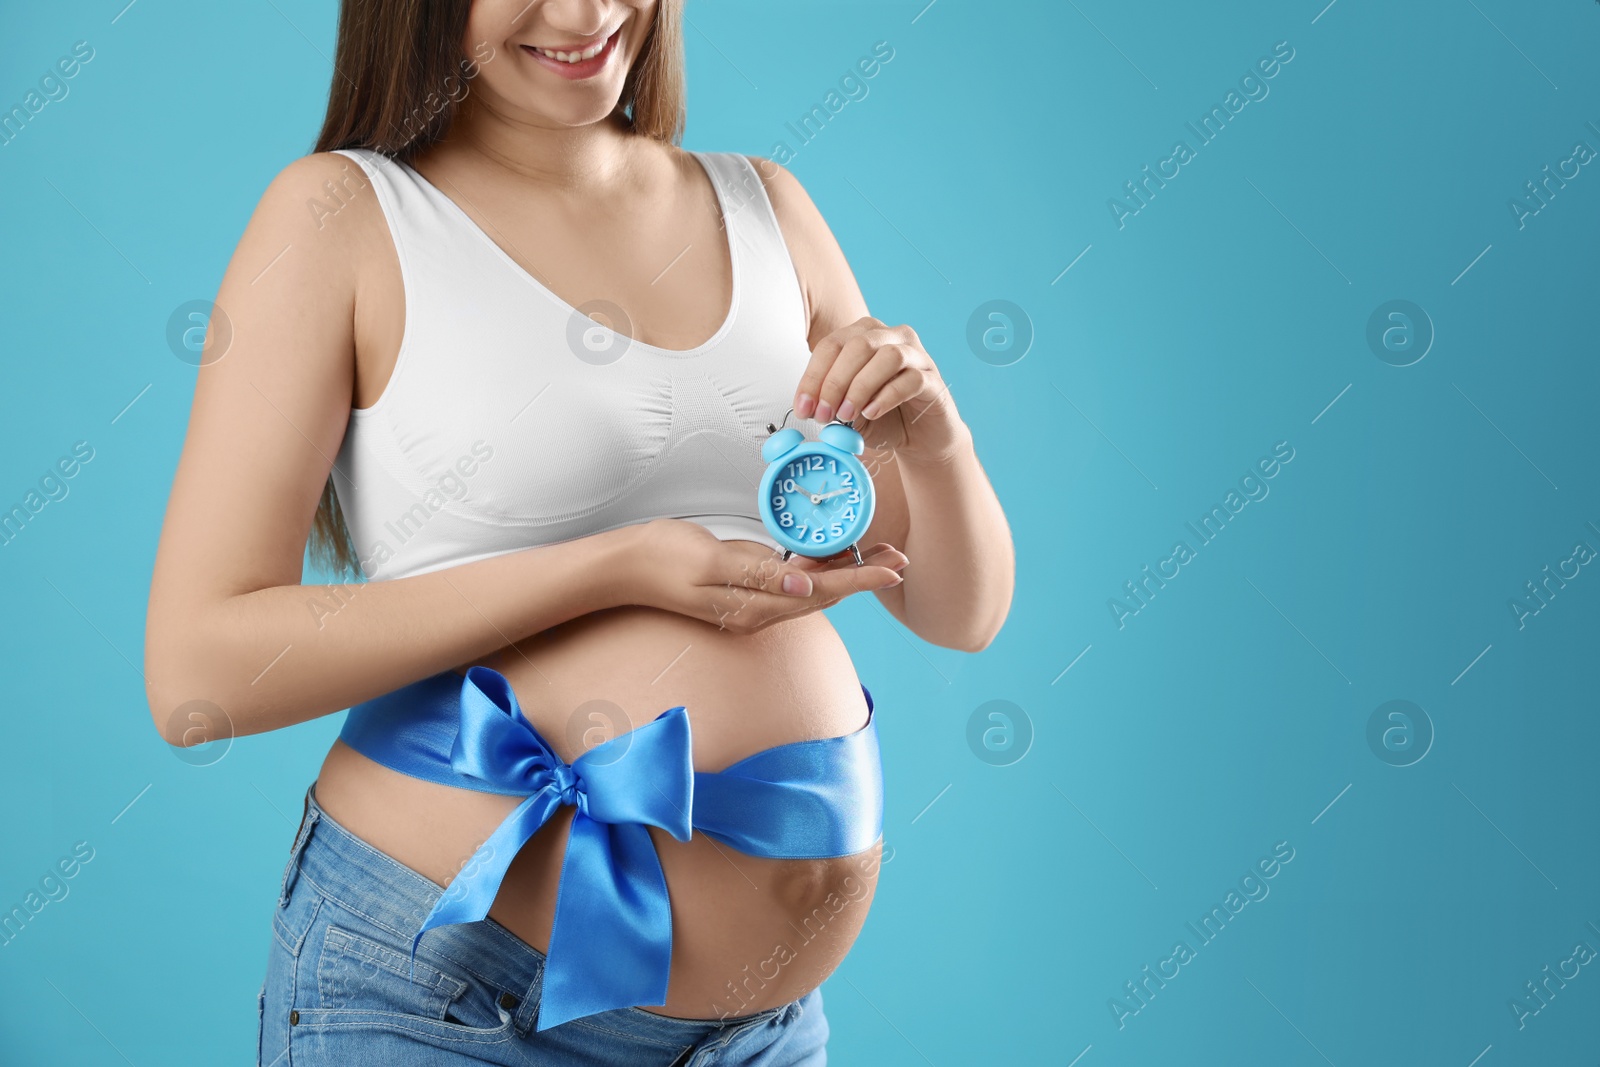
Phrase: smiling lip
(583, 68)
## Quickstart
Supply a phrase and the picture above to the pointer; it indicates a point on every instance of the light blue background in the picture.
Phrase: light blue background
(1225, 717)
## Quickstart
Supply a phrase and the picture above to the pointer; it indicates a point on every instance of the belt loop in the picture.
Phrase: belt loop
(291, 871)
(526, 1015)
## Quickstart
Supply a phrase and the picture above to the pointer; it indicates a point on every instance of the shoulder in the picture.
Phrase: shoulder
(831, 293)
(322, 207)
(804, 229)
(311, 190)
(789, 199)
(303, 180)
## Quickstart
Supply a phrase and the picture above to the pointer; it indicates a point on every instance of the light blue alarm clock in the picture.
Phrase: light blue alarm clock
(816, 497)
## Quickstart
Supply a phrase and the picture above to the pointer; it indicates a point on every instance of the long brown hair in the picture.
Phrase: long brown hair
(400, 72)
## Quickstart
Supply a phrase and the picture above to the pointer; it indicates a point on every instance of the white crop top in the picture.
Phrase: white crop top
(511, 419)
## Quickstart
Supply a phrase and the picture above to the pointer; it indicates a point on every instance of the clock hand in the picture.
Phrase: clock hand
(815, 509)
(819, 515)
(825, 496)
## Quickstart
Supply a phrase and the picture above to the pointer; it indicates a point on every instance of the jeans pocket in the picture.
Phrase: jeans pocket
(364, 984)
(293, 919)
(290, 927)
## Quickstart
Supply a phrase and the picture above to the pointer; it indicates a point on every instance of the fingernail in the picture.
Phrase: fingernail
(898, 578)
(870, 411)
(824, 411)
(846, 410)
(803, 406)
(796, 584)
(901, 565)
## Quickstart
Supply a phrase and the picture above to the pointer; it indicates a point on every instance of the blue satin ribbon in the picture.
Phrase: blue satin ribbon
(611, 939)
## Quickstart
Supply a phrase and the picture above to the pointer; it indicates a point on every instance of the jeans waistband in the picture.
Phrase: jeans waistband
(352, 874)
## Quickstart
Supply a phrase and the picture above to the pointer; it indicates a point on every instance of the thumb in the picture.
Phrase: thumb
(789, 578)
(795, 582)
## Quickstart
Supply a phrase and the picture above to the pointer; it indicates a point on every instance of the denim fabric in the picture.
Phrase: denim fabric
(339, 988)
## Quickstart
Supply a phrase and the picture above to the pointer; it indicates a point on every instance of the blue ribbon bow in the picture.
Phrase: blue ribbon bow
(611, 941)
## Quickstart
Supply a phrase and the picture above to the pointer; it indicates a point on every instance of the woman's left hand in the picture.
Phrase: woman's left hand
(868, 370)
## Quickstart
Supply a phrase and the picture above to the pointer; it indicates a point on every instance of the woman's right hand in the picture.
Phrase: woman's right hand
(742, 586)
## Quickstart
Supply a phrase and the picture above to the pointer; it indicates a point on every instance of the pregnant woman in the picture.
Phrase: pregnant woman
(608, 791)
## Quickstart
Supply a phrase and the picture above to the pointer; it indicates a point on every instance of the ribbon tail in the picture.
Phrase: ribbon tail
(611, 941)
(469, 896)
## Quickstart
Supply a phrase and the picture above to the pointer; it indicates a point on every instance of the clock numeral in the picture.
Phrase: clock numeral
(829, 520)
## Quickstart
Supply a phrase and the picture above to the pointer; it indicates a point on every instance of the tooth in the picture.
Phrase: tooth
(573, 57)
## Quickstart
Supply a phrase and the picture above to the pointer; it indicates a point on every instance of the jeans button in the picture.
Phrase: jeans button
(508, 1002)
(294, 1018)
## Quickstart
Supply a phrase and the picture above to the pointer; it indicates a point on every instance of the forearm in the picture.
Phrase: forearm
(283, 655)
(959, 583)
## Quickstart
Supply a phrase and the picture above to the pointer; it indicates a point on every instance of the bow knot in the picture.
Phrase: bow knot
(568, 786)
(612, 895)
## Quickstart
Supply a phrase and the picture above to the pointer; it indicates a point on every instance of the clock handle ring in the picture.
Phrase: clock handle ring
(771, 429)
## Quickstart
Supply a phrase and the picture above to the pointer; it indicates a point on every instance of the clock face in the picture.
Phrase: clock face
(817, 500)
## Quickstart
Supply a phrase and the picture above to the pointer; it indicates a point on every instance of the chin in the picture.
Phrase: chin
(575, 117)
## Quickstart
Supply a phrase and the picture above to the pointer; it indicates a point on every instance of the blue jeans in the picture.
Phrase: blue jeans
(339, 989)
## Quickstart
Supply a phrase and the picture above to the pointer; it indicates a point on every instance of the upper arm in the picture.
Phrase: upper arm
(833, 300)
(269, 409)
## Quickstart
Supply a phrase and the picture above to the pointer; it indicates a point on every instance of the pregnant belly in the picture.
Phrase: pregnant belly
(747, 933)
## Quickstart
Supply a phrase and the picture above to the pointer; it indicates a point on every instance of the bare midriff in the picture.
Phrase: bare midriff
(747, 933)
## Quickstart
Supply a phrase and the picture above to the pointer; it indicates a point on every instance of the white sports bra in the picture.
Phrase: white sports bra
(512, 419)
